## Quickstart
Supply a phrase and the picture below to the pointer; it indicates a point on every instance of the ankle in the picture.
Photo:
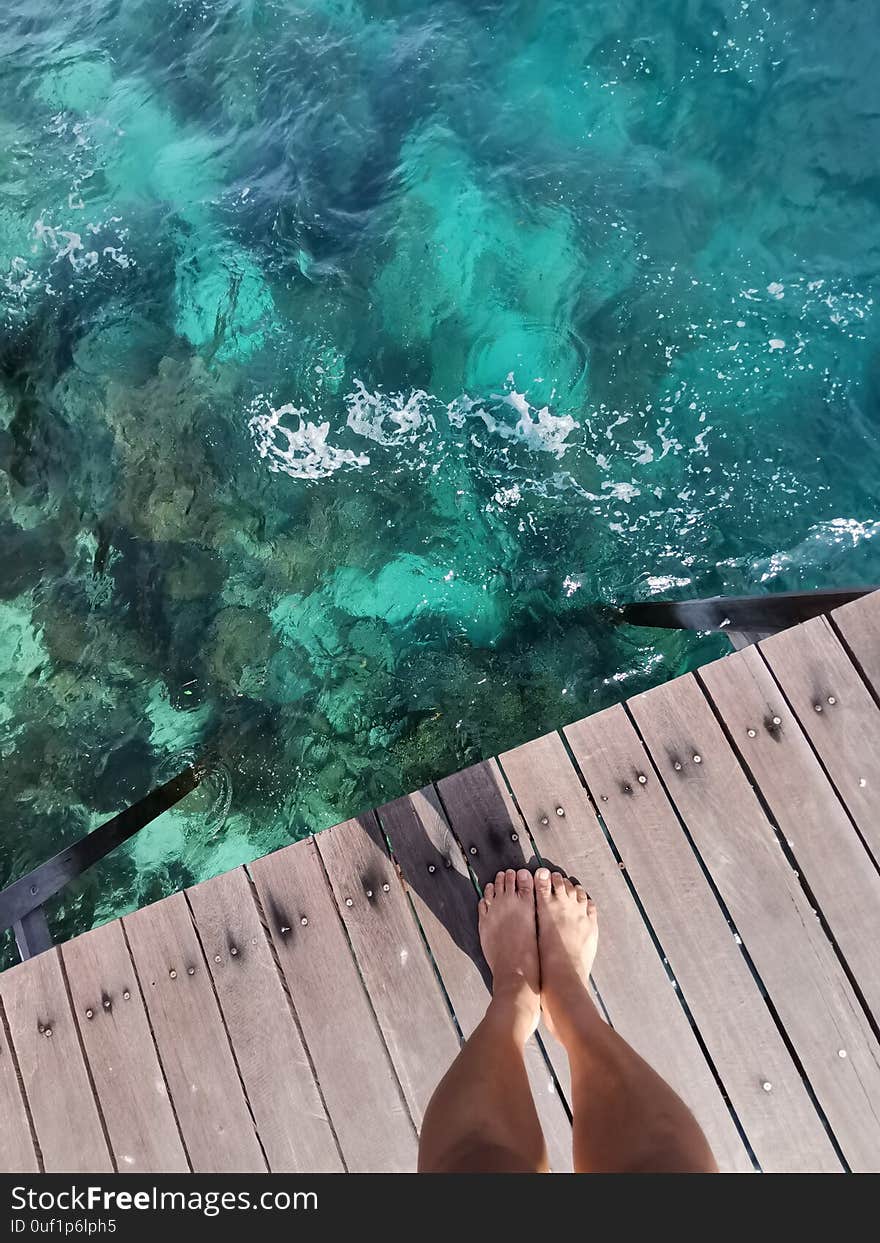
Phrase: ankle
(514, 1009)
(570, 1007)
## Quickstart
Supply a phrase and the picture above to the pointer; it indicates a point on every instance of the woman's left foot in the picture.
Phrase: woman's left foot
(509, 937)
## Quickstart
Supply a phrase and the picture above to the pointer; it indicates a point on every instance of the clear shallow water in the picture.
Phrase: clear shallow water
(354, 355)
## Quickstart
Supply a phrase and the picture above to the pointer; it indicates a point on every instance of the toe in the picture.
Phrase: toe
(558, 882)
(489, 893)
(524, 883)
(510, 881)
(484, 907)
(499, 884)
(542, 882)
(569, 887)
(581, 893)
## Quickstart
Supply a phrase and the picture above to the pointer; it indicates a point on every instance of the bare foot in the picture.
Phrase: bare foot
(509, 939)
(568, 933)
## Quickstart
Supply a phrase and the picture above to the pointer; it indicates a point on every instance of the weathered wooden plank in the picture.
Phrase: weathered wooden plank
(290, 1116)
(809, 814)
(394, 967)
(445, 900)
(837, 712)
(484, 818)
(782, 1125)
(119, 1047)
(56, 1083)
(791, 953)
(193, 1046)
(632, 981)
(859, 624)
(361, 1091)
(17, 1152)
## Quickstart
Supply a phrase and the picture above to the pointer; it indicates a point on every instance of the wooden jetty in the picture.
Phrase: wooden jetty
(295, 1015)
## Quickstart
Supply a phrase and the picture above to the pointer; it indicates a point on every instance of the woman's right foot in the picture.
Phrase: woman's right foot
(568, 933)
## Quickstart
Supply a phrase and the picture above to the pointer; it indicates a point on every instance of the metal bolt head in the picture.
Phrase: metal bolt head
(604, 798)
(514, 837)
(233, 950)
(752, 733)
(33, 890)
(90, 1014)
(560, 811)
(284, 928)
(386, 887)
(643, 780)
(172, 973)
(431, 868)
(698, 759)
(768, 1087)
(677, 766)
(304, 921)
(217, 956)
(127, 995)
(368, 892)
(48, 1031)
(832, 701)
(545, 821)
(777, 720)
(841, 1052)
(349, 902)
(473, 850)
(107, 1003)
(817, 707)
(189, 971)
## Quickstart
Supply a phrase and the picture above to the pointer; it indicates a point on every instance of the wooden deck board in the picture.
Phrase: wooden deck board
(17, 1152)
(827, 850)
(361, 1091)
(53, 1070)
(115, 1033)
(445, 902)
(790, 951)
(746, 1048)
(858, 623)
(814, 671)
(193, 1046)
(301, 1023)
(630, 976)
(394, 966)
(291, 1120)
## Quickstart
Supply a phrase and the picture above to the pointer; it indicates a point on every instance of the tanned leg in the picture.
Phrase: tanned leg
(626, 1118)
(481, 1118)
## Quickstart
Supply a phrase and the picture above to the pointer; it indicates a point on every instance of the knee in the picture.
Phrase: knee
(475, 1155)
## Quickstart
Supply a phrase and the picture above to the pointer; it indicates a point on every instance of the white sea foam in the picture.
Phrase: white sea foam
(301, 452)
(389, 418)
(537, 428)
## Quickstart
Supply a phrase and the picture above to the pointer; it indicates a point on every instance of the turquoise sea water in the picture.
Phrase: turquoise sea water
(354, 355)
